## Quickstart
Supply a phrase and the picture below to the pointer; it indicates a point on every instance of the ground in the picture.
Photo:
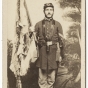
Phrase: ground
(64, 79)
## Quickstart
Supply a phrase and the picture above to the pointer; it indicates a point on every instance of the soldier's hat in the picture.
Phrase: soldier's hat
(48, 5)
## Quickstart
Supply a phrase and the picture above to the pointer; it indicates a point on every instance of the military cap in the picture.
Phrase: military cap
(48, 5)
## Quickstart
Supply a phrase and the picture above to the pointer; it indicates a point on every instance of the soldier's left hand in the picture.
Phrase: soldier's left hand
(60, 59)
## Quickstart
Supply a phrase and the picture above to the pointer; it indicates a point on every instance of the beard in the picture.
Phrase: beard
(48, 15)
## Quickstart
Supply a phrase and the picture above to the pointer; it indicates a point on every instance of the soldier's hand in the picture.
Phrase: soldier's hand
(33, 60)
(60, 59)
(32, 28)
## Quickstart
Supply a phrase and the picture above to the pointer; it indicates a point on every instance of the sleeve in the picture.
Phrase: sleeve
(60, 34)
(60, 30)
(61, 43)
(36, 30)
(36, 33)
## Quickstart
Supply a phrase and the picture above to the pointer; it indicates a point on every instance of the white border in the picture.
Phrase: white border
(86, 43)
(1, 44)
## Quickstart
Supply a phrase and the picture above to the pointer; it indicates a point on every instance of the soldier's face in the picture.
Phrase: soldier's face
(49, 11)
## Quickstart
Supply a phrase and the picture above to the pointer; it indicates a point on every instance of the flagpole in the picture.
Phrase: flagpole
(30, 22)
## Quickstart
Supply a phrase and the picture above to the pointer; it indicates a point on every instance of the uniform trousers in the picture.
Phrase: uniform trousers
(46, 78)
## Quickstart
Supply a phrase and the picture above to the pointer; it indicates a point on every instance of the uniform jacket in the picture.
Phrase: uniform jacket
(47, 30)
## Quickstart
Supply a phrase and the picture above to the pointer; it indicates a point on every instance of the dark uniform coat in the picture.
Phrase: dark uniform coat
(47, 30)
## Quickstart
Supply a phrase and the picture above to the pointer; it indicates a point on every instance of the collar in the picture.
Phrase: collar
(48, 19)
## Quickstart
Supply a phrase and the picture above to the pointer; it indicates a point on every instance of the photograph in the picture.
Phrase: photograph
(44, 44)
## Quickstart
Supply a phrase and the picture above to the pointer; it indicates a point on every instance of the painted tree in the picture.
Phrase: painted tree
(74, 15)
(73, 40)
(70, 3)
(74, 31)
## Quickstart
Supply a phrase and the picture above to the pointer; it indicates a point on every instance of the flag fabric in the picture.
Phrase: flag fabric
(24, 48)
(31, 57)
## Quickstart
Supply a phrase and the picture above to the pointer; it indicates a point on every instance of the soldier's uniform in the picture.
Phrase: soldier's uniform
(47, 30)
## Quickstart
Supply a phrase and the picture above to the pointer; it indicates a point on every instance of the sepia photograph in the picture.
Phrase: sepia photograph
(44, 44)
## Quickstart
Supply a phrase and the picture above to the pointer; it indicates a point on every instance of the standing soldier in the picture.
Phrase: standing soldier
(47, 33)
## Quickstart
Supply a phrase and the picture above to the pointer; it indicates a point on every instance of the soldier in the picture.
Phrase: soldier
(47, 34)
